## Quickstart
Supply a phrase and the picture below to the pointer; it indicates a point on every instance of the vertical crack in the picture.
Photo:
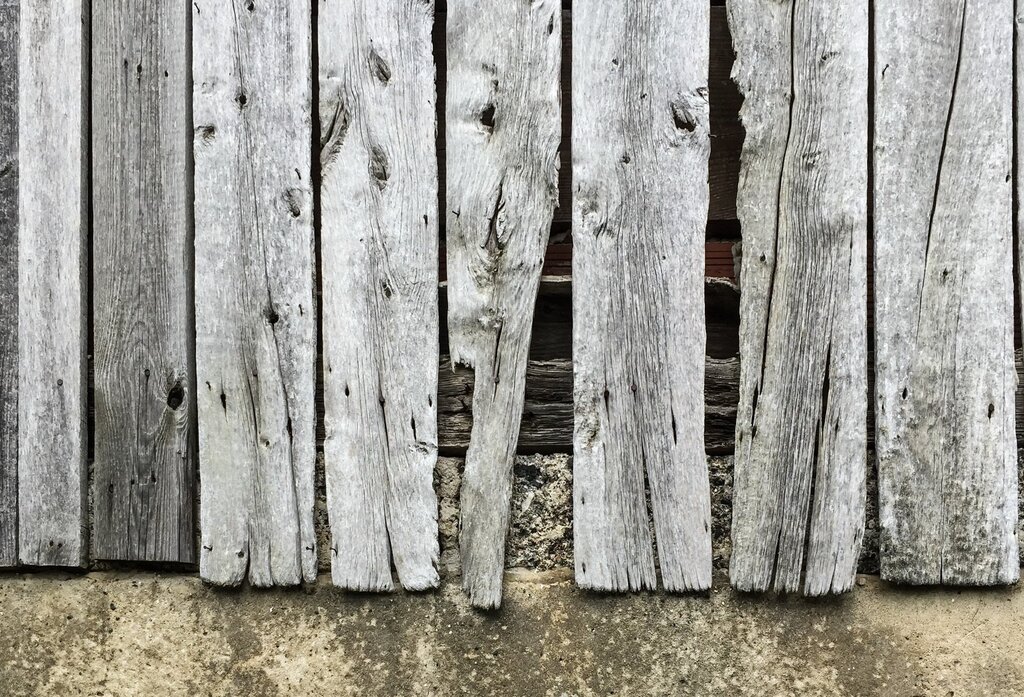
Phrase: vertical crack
(942, 162)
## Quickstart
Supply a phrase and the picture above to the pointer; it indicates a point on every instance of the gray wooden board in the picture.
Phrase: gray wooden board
(52, 151)
(8, 282)
(502, 131)
(143, 475)
(944, 291)
(380, 267)
(640, 143)
(801, 442)
(255, 318)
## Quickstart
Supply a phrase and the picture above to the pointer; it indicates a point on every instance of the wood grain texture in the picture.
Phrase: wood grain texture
(380, 314)
(53, 153)
(502, 133)
(944, 288)
(726, 132)
(255, 316)
(640, 160)
(142, 330)
(8, 282)
(547, 424)
(801, 441)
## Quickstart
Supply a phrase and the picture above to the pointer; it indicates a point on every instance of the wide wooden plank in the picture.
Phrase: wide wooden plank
(142, 330)
(52, 187)
(640, 160)
(8, 282)
(379, 225)
(502, 131)
(947, 459)
(255, 318)
(801, 441)
(801, 427)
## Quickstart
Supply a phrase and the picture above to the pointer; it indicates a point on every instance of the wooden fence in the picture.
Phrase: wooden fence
(243, 235)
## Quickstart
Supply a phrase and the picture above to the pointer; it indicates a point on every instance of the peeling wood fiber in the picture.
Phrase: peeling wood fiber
(944, 287)
(53, 150)
(380, 304)
(801, 441)
(502, 134)
(640, 161)
(255, 318)
(143, 475)
(8, 282)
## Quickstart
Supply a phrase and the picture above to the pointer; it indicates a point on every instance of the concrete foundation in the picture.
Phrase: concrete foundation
(120, 633)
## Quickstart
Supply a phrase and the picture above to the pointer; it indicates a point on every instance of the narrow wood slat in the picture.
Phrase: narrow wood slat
(801, 441)
(947, 459)
(52, 150)
(8, 282)
(640, 157)
(502, 132)
(255, 318)
(144, 461)
(380, 310)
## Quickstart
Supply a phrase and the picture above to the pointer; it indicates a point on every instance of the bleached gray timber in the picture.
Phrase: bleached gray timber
(503, 129)
(255, 318)
(143, 475)
(801, 440)
(52, 193)
(380, 313)
(944, 291)
(640, 138)
(8, 282)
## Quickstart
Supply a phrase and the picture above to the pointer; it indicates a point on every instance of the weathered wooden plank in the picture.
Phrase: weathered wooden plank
(380, 313)
(502, 131)
(8, 282)
(144, 461)
(255, 316)
(52, 147)
(640, 156)
(944, 291)
(801, 441)
(726, 132)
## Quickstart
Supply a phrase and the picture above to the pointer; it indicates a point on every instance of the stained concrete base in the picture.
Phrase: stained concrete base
(108, 633)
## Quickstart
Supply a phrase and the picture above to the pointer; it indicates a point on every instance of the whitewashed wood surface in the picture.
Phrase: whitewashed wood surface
(640, 138)
(255, 318)
(51, 282)
(502, 135)
(947, 457)
(380, 306)
(801, 441)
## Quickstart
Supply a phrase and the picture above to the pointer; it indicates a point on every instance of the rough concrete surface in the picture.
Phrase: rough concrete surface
(126, 633)
(110, 632)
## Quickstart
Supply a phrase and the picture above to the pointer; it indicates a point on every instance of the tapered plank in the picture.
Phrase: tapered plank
(945, 423)
(801, 442)
(255, 319)
(142, 329)
(502, 131)
(52, 187)
(380, 313)
(8, 282)
(640, 142)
